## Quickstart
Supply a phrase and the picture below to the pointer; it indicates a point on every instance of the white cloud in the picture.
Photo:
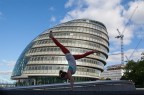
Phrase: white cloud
(5, 72)
(6, 67)
(0, 13)
(111, 13)
(2, 16)
(5, 77)
(116, 59)
(52, 19)
(138, 6)
(69, 3)
(137, 19)
(140, 34)
(51, 8)
(8, 62)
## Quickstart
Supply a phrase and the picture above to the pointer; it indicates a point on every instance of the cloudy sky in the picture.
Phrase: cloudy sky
(22, 20)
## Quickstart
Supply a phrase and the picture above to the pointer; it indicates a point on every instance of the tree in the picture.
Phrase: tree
(134, 71)
(108, 79)
(102, 78)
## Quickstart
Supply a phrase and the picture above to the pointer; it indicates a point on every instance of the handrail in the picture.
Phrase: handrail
(58, 86)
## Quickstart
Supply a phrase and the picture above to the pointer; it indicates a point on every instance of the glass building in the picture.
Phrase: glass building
(41, 60)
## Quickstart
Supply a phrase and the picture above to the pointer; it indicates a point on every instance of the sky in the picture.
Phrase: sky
(23, 20)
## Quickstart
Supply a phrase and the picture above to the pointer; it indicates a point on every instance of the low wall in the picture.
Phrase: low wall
(80, 88)
(107, 85)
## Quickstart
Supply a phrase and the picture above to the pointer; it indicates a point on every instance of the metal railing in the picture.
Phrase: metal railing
(106, 85)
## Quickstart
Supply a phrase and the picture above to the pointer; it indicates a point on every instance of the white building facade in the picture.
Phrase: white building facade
(114, 72)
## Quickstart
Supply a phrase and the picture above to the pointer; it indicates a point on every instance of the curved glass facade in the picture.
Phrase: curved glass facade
(41, 60)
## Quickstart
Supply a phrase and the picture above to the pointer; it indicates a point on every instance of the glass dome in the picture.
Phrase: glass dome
(41, 60)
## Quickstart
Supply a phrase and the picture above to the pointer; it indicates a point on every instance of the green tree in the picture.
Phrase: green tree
(102, 78)
(134, 71)
(108, 78)
(139, 72)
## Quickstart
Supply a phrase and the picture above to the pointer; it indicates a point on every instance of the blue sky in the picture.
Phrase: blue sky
(22, 20)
